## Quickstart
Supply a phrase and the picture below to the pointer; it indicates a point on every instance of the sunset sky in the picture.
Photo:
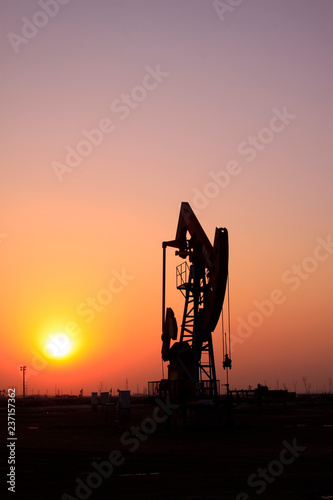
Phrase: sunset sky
(116, 111)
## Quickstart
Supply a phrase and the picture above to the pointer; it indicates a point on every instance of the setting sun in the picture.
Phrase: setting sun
(58, 345)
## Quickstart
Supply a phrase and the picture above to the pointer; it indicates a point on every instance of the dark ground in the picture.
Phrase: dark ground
(57, 444)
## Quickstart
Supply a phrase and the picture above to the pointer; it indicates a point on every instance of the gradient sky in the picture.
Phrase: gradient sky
(210, 112)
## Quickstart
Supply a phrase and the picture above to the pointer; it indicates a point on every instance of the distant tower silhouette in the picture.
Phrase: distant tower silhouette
(23, 369)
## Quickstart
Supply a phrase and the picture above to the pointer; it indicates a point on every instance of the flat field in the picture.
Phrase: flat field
(63, 451)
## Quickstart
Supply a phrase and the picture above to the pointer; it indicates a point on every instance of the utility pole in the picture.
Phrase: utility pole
(23, 369)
